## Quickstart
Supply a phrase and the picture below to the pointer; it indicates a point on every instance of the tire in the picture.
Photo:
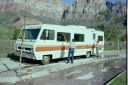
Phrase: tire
(88, 54)
(45, 60)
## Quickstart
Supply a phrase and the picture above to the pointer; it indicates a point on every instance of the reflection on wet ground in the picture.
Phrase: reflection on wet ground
(89, 74)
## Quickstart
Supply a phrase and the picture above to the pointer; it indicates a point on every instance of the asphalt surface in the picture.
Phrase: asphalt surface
(97, 73)
(93, 74)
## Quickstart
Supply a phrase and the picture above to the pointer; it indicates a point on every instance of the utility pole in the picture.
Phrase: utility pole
(92, 13)
(23, 37)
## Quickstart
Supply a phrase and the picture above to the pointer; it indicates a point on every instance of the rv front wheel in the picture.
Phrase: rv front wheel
(45, 60)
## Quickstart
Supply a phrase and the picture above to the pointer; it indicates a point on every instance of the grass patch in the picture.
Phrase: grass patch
(121, 80)
(6, 47)
(3, 55)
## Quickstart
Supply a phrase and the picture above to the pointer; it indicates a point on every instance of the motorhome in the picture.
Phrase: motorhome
(46, 41)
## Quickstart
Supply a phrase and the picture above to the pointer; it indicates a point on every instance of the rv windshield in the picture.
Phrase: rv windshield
(30, 33)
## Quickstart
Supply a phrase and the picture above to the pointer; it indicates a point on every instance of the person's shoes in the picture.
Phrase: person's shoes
(67, 62)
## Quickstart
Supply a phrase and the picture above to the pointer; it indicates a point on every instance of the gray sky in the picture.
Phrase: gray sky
(71, 1)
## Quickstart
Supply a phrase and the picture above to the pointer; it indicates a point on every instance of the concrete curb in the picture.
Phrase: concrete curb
(41, 71)
(4, 58)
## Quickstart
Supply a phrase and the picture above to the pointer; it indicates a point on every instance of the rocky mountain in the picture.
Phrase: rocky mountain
(53, 10)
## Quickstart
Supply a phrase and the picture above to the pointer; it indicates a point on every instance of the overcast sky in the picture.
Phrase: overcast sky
(68, 1)
(71, 1)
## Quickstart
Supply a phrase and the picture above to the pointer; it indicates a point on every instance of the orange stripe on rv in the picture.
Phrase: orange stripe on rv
(54, 48)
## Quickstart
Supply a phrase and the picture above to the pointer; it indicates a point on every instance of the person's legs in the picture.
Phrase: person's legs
(69, 55)
(97, 54)
(72, 56)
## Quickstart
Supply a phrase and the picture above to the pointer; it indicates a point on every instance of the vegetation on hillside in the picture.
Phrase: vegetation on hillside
(113, 31)
(108, 21)
(16, 33)
(9, 32)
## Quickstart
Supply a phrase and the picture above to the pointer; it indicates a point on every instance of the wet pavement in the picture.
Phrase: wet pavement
(97, 73)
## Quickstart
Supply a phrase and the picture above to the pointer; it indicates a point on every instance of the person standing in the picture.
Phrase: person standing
(71, 51)
(97, 46)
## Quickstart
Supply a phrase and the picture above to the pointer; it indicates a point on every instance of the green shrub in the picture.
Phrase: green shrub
(16, 33)
(123, 38)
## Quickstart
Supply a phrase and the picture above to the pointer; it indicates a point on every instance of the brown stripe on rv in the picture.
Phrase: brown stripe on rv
(54, 48)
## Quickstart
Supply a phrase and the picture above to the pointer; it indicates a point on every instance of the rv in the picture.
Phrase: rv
(45, 42)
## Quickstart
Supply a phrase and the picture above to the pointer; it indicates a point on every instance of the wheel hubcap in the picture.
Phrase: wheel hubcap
(45, 58)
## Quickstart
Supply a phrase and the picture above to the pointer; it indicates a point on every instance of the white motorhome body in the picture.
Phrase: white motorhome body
(45, 41)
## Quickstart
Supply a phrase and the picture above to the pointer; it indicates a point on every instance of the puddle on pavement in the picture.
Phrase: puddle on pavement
(104, 70)
(108, 56)
(85, 69)
(86, 76)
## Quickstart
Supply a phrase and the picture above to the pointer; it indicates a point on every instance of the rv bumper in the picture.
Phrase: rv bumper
(26, 55)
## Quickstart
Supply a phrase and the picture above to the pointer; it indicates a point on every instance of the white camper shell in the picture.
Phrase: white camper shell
(44, 42)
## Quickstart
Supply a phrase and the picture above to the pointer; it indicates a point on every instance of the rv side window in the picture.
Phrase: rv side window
(79, 37)
(100, 38)
(47, 34)
(61, 36)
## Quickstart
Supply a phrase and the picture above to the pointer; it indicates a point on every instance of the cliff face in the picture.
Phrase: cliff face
(52, 8)
(85, 8)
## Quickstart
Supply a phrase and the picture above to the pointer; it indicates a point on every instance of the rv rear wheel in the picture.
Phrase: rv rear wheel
(88, 54)
(45, 60)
